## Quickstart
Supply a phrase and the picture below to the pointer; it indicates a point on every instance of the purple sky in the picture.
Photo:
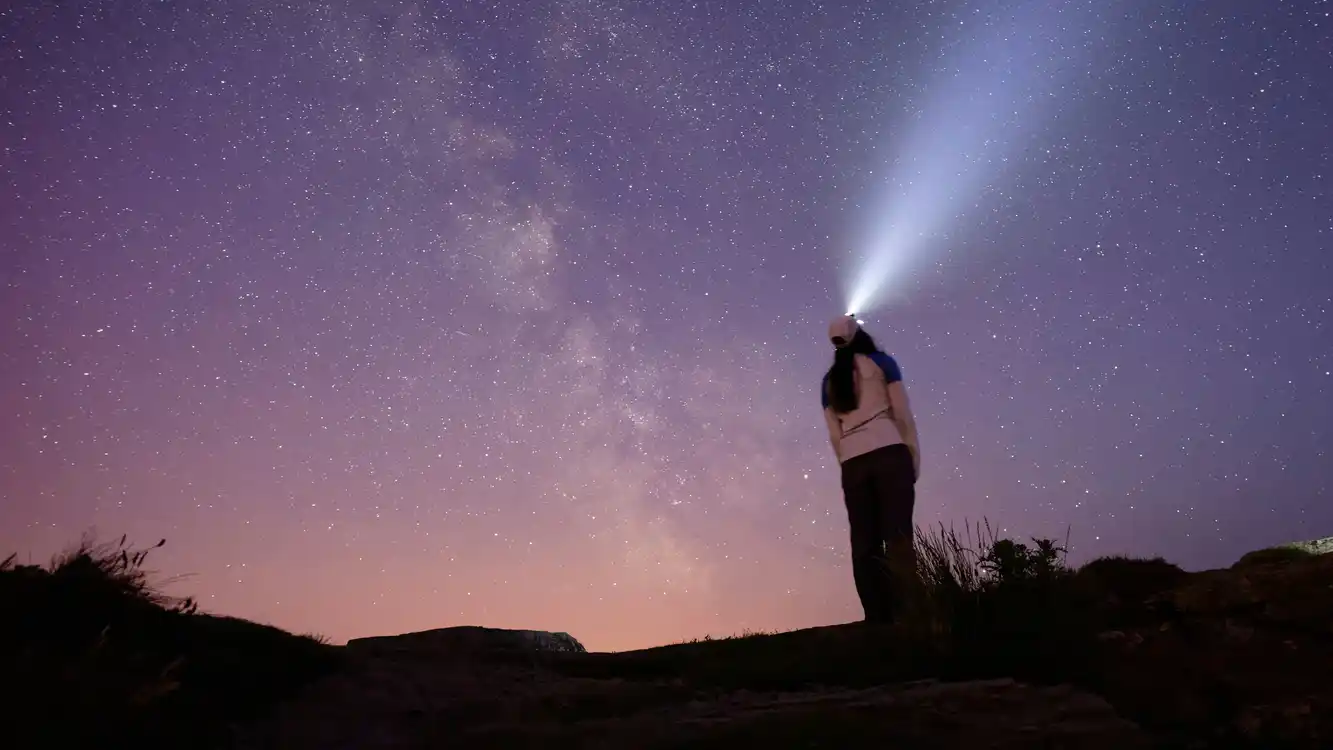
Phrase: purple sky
(394, 316)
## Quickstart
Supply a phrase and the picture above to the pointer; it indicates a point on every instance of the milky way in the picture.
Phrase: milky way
(392, 316)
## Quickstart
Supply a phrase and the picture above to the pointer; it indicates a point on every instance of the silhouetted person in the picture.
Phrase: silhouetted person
(874, 438)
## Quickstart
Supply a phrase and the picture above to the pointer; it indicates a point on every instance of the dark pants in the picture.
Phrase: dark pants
(879, 489)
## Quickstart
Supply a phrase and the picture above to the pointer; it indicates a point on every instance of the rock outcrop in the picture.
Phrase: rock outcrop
(1288, 551)
(421, 707)
(470, 642)
(927, 715)
(1238, 655)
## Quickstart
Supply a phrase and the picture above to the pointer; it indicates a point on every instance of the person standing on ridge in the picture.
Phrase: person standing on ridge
(874, 438)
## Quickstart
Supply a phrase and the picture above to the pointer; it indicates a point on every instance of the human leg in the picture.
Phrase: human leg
(895, 486)
(866, 522)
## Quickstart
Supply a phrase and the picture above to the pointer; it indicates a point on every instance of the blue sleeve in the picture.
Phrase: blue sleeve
(892, 373)
(823, 392)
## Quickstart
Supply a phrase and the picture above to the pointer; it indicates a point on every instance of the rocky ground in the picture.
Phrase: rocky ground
(1155, 657)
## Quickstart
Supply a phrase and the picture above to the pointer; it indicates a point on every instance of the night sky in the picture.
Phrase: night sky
(393, 316)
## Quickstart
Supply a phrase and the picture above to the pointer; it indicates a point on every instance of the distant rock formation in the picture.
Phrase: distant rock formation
(469, 642)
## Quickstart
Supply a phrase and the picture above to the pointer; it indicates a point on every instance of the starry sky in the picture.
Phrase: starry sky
(398, 315)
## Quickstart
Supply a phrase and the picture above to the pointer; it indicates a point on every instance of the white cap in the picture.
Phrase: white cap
(842, 329)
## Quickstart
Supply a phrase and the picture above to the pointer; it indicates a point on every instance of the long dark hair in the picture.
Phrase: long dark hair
(842, 375)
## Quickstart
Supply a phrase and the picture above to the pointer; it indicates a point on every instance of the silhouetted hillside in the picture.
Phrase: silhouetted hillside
(100, 655)
(1002, 645)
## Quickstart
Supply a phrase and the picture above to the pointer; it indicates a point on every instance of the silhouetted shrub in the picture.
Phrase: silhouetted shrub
(996, 607)
(100, 654)
(1120, 588)
(1010, 562)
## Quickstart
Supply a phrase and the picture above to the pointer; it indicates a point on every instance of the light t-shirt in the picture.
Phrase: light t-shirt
(870, 426)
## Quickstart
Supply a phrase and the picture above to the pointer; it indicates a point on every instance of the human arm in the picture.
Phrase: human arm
(906, 422)
(900, 407)
(830, 419)
(834, 430)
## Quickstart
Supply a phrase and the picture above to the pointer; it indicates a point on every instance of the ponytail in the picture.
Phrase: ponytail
(842, 375)
(842, 381)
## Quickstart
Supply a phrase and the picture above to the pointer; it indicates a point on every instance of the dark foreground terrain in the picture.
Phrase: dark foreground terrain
(1118, 654)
